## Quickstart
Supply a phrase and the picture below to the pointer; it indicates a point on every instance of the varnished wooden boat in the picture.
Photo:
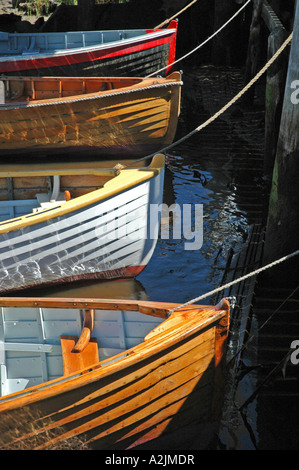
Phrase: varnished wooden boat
(110, 374)
(138, 52)
(81, 221)
(100, 116)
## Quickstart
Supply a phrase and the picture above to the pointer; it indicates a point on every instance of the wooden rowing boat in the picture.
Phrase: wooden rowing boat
(138, 52)
(80, 116)
(110, 374)
(65, 222)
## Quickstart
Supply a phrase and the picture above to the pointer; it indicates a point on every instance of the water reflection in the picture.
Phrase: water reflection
(122, 289)
(218, 168)
(175, 274)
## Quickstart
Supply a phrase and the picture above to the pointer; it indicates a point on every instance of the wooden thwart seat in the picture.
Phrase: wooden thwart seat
(79, 353)
(74, 361)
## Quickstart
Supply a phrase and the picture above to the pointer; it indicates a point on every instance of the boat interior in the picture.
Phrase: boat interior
(38, 344)
(35, 43)
(24, 90)
(31, 188)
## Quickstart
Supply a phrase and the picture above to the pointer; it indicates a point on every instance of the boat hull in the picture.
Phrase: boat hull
(112, 237)
(135, 121)
(138, 56)
(145, 399)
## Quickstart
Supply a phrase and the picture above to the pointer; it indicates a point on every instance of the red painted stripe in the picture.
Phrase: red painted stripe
(72, 58)
(172, 48)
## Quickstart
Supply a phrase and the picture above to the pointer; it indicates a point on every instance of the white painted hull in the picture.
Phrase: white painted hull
(108, 239)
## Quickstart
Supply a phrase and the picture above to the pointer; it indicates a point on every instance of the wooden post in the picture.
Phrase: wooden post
(282, 235)
(276, 77)
(86, 15)
(253, 52)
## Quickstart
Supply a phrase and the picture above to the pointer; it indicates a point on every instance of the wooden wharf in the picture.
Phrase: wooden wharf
(263, 399)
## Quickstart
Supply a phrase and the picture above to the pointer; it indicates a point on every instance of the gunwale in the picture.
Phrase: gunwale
(96, 47)
(140, 48)
(126, 121)
(190, 323)
(126, 179)
(136, 84)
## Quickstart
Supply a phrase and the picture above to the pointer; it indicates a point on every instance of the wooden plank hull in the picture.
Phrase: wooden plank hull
(132, 120)
(147, 398)
(105, 234)
(90, 53)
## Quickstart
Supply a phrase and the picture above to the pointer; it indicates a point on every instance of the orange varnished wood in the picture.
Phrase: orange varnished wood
(159, 309)
(147, 116)
(150, 392)
(73, 361)
(170, 381)
(26, 187)
(221, 334)
(22, 188)
(84, 339)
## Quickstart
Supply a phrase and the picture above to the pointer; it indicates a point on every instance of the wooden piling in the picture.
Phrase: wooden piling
(253, 51)
(275, 85)
(283, 220)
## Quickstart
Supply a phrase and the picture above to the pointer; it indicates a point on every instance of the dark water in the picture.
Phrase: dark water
(218, 168)
(202, 170)
(174, 273)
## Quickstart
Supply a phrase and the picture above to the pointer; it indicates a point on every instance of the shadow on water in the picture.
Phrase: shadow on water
(120, 289)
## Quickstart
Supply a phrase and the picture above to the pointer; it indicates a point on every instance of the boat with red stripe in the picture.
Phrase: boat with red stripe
(93, 53)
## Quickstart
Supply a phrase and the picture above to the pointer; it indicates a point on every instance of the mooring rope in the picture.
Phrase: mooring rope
(176, 15)
(204, 42)
(65, 100)
(199, 128)
(226, 106)
(235, 98)
(240, 279)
